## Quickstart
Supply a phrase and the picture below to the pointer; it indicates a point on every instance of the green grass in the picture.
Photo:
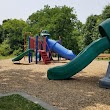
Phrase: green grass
(6, 57)
(17, 102)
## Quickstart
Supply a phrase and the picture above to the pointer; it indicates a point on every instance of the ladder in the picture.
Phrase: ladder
(44, 56)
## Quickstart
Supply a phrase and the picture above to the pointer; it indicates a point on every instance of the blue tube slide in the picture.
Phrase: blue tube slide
(58, 48)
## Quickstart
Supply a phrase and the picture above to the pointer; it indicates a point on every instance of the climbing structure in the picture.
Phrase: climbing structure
(40, 48)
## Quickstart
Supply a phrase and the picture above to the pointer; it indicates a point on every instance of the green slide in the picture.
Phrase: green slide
(85, 57)
(19, 57)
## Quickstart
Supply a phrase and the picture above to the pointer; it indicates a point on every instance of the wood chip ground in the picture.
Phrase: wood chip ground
(81, 92)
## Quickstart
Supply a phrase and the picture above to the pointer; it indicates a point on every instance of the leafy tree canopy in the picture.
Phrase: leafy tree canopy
(12, 29)
(59, 21)
(106, 12)
(90, 29)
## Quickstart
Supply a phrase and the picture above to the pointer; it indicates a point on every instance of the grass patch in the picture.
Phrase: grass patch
(17, 102)
(6, 57)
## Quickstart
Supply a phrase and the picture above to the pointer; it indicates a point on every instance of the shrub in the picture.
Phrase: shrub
(5, 49)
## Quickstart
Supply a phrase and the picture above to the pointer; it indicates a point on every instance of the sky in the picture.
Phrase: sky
(22, 9)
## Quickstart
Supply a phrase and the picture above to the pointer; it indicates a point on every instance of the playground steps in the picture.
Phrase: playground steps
(44, 56)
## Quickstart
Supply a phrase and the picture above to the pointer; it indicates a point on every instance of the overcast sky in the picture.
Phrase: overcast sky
(21, 9)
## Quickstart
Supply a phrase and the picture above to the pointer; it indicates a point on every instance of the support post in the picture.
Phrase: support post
(29, 54)
(105, 82)
(36, 49)
(24, 44)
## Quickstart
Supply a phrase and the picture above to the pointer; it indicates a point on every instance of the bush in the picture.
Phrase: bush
(5, 49)
(18, 51)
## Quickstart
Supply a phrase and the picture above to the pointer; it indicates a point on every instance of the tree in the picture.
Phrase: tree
(106, 12)
(1, 34)
(12, 30)
(59, 21)
(77, 36)
(90, 29)
(5, 48)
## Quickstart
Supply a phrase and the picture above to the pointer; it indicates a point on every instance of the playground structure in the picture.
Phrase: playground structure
(43, 46)
(85, 57)
(41, 49)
